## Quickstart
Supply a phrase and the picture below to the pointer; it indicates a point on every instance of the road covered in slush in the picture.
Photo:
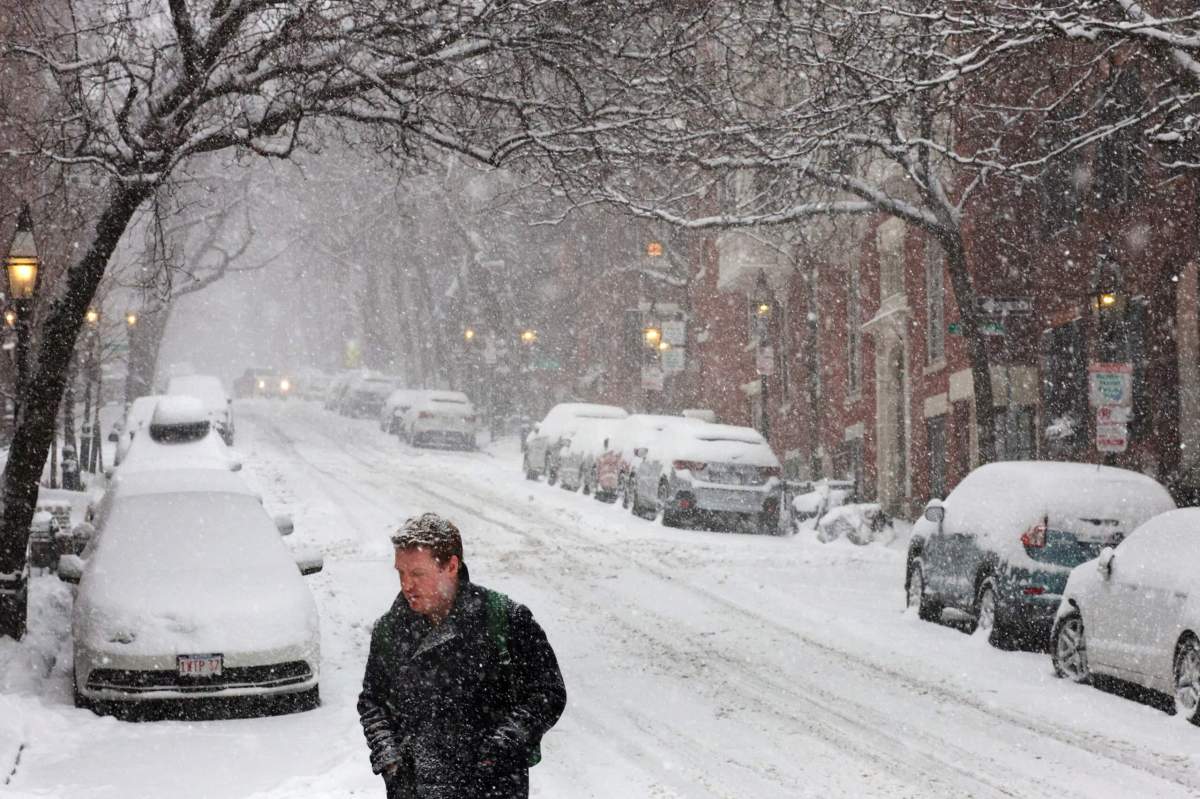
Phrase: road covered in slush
(697, 664)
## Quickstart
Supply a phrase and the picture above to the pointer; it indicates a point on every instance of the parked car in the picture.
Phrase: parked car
(577, 462)
(138, 416)
(208, 389)
(179, 436)
(1133, 612)
(391, 418)
(997, 551)
(338, 387)
(626, 446)
(714, 474)
(548, 436)
(446, 417)
(365, 394)
(187, 592)
(260, 382)
(311, 384)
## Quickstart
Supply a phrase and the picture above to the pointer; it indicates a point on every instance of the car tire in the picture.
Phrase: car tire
(1068, 649)
(530, 474)
(987, 615)
(915, 594)
(551, 474)
(1187, 678)
(623, 487)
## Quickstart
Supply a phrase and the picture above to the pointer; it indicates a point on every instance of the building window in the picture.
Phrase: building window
(935, 303)
(1060, 191)
(890, 244)
(935, 443)
(854, 333)
(960, 438)
(848, 464)
(1119, 158)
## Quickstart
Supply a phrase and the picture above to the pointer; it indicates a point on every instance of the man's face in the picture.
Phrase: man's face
(428, 587)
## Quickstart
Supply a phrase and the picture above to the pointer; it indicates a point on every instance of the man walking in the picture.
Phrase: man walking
(461, 683)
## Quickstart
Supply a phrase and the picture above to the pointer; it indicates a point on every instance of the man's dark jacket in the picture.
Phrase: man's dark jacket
(442, 702)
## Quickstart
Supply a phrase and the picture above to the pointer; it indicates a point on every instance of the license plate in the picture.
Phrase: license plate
(199, 665)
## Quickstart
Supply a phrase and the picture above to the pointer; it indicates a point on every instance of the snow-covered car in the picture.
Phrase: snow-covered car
(261, 382)
(138, 416)
(179, 435)
(365, 395)
(445, 417)
(997, 552)
(578, 458)
(391, 418)
(714, 473)
(1133, 612)
(338, 386)
(547, 437)
(208, 390)
(186, 591)
(628, 443)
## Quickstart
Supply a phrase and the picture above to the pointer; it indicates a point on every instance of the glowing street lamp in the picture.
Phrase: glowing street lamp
(23, 262)
(529, 336)
(10, 317)
(92, 316)
(469, 335)
(131, 318)
(652, 334)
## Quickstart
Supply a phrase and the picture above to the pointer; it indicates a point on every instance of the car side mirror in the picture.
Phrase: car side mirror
(1105, 562)
(284, 524)
(70, 569)
(309, 562)
(935, 513)
(114, 436)
(640, 452)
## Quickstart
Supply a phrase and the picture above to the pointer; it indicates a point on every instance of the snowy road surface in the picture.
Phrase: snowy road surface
(697, 664)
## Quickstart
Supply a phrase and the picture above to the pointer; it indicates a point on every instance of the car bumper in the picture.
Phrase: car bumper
(106, 677)
(1029, 599)
(724, 498)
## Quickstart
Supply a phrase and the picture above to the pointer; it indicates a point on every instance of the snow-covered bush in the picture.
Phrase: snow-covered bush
(859, 523)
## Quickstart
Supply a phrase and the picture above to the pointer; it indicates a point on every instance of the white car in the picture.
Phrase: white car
(578, 457)
(549, 435)
(446, 417)
(626, 447)
(1134, 612)
(136, 418)
(211, 392)
(179, 435)
(391, 418)
(186, 592)
(711, 472)
(365, 394)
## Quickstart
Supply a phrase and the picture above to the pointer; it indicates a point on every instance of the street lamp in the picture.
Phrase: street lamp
(22, 266)
(469, 335)
(131, 318)
(763, 304)
(529, 336)
(10, 317)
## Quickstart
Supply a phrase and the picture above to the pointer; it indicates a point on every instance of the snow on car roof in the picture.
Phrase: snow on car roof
(1005, 498)
(179, 410)
(206, 388)
(447, 396)
(179, 481)
(713, 443)
(727, 432)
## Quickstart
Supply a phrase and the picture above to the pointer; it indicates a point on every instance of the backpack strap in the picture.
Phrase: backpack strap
(498, 608)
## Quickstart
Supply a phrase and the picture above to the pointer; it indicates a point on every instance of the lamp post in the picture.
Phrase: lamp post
(762, 307)
(131, 320)
(89, 445)
(22, 266)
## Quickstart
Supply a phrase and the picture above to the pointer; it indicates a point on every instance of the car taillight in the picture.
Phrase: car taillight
(769, 471)
(1035, 537)
(689, 466)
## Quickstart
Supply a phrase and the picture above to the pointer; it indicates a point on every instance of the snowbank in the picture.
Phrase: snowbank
(862, 523)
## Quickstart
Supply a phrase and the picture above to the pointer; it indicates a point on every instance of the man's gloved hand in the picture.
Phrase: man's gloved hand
(506, 744)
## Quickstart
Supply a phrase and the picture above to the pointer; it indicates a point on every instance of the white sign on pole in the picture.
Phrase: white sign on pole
(996, 306)
(675, 332)
(766, 361)
(1110, 384)
(674, 359)
(1112, 437)
(652, 378)
(1113, 414)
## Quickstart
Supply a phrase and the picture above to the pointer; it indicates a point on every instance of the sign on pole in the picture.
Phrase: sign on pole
(987, 328)
(1110, 384)
(1111, 437)
(675, 332)
(766, 361)
(674, 359)
(652, 378)
(997, 306)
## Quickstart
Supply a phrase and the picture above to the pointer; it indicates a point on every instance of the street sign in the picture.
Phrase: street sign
(545, 363)
(675, 332)
(986, 328)
(1112, 437)
(652, 378)
(766, 361)
(1113, 414)
(998, 306)
(1110, 384)
(674, 359)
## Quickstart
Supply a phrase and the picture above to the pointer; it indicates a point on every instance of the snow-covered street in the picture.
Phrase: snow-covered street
(697, 664)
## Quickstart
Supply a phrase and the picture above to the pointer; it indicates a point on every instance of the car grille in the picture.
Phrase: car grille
(133, 682)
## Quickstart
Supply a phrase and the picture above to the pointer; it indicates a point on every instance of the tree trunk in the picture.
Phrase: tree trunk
(968, 319)
(145, 340)
(35, 424)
